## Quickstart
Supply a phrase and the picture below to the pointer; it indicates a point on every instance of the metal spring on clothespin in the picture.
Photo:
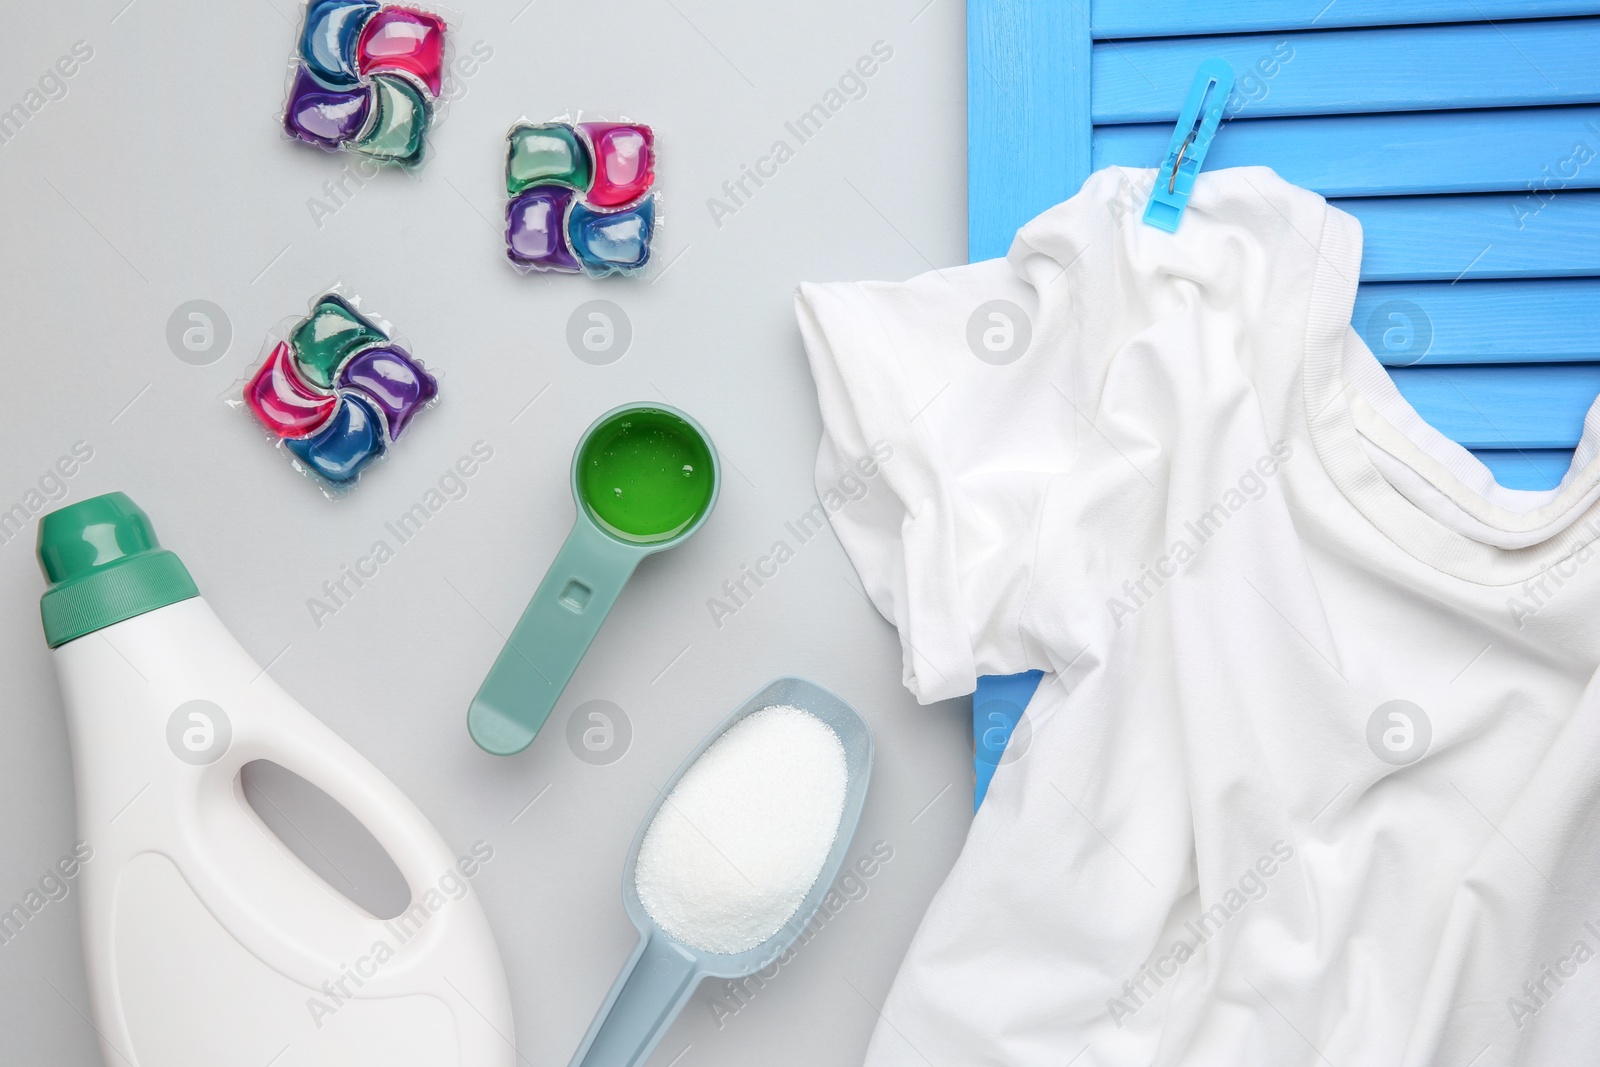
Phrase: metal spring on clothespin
(1191, 140)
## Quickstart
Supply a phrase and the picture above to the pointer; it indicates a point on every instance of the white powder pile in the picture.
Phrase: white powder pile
(742, 837)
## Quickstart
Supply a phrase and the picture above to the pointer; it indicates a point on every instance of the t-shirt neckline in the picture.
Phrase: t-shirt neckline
(1338, 416)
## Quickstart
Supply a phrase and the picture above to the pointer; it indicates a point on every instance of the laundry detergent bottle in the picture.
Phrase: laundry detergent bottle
(206, 941)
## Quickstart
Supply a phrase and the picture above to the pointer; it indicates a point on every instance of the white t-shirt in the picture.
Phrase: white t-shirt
(1312, 776)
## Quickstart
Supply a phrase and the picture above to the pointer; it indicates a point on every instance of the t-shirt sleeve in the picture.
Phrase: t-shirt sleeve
(933, 398)
(1015, 413)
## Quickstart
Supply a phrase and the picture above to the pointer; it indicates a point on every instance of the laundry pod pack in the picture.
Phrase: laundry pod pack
(207, 943)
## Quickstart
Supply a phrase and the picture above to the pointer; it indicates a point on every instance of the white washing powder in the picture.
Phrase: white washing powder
(742, 837)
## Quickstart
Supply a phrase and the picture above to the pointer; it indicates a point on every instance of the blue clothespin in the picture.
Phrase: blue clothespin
(1186, 152)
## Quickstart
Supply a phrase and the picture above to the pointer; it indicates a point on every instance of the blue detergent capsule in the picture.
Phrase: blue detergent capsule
(608, 242)
(352, 438)
(328, 42)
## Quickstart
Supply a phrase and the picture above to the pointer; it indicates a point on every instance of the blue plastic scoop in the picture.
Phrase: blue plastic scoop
(662, 973)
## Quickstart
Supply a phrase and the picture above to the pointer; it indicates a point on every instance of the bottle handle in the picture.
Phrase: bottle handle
(654, 985)
(328, 762)
(550, 639)
(274, 904)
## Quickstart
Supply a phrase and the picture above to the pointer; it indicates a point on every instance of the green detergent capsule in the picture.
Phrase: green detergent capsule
(547, 154)
(399, 121)
(330, 333)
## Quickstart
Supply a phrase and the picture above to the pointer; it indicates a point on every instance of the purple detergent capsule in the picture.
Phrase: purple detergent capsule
(335, 390)
(394, 381)
(536, 224)
(323, 116)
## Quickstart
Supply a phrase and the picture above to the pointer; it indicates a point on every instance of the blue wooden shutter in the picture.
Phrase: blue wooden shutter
(1464, 134)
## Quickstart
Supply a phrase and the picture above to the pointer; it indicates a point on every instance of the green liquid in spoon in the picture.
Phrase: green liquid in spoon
(645, 475)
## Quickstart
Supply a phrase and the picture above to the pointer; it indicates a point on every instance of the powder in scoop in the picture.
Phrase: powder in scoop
(742, 837)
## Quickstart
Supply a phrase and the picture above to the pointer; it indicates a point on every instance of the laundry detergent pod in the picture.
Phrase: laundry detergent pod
(580, 196)
(346, 444)
(328, 36)
(335, 390)
(550, 153)
(283, 400)
(322, 116)
(403, 40)
(396, 130)
(328, 336)
(389, 378)
(624, 162)
(367, 77)
(536, 224)
(609, 242)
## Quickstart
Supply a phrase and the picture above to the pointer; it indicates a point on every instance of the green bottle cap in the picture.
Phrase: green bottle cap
(104, 565)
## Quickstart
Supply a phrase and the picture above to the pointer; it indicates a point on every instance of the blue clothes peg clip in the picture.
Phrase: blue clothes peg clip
(1186, 152)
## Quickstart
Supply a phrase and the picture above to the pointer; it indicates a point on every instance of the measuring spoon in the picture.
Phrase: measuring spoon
(645, 477)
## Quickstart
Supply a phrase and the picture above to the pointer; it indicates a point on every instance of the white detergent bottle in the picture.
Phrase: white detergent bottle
(206, 941)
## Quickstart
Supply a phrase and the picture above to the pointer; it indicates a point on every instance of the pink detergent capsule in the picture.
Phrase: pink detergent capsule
(624, 162)
(405, 41)
(282, 400)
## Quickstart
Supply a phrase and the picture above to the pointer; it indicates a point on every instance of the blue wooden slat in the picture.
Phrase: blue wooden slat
(1143, 18)
(1537, 320)
(1413, 238)
(1500, 407)
(1517, 64)
(1541, 468)
(1397, 154)
(997, 706)
(1027, 115)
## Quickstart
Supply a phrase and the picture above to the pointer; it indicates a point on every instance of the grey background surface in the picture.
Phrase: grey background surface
(157, 176)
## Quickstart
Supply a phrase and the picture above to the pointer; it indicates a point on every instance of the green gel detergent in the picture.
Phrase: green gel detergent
(645, 475)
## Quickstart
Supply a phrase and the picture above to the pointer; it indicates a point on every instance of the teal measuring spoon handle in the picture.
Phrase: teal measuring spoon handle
(653, 987)
(550, 639)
